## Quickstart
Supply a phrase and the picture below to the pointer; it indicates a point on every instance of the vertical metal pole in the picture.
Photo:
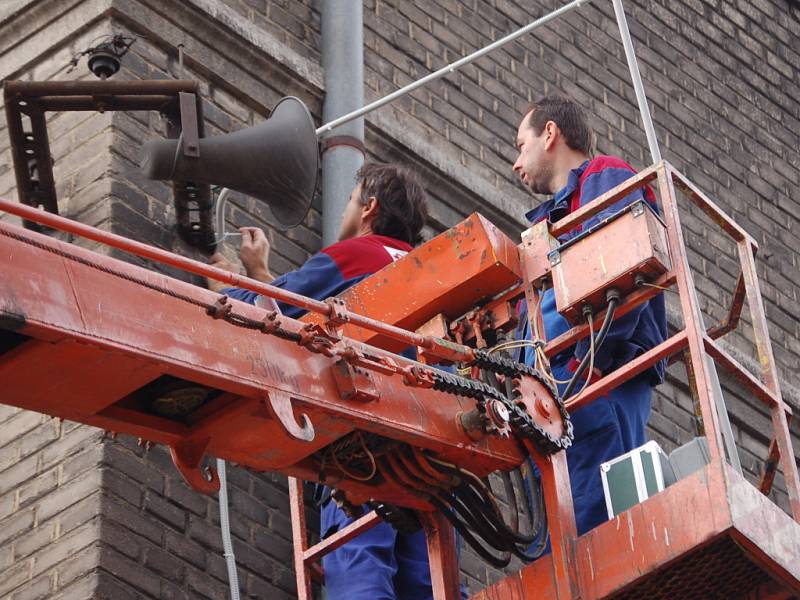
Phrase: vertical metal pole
(769, 373)
(641, 98)
(696, 366)
(299, 538)
(442, 556)
(343, 63)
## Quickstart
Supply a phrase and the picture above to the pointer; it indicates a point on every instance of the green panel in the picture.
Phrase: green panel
(622, 486)
(650, 481)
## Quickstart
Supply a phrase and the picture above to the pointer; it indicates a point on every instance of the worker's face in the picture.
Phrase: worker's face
(353, 218)
(533, 165)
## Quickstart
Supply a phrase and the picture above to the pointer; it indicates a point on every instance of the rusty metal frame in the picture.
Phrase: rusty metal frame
(694, 337)
(178, 100)
(306, 558)
(563, 574)
(693, 343)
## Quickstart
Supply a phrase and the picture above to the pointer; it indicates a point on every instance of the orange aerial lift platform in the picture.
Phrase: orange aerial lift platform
(96, 340)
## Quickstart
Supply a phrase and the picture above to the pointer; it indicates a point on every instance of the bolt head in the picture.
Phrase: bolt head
(500, 412)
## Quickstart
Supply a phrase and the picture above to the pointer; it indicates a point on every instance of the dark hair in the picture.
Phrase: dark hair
(569, 117)
(402, 204)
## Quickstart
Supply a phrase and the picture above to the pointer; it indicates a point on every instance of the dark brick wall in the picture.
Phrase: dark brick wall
(84, 517)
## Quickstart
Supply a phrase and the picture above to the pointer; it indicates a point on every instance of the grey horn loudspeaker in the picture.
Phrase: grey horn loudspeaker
(276, 161)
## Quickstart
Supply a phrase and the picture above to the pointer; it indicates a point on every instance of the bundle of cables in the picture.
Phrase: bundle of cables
(469, 504)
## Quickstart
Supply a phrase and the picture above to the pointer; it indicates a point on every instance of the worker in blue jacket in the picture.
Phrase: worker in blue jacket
(555, 145)
(383, 219)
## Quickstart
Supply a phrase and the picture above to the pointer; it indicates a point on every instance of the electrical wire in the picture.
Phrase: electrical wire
(658, 287)
(613, 302)
(225, 527)
(591, 354)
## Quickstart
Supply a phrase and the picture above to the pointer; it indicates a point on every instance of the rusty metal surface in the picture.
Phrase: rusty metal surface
(716, 214)
(469, 262)
(111, 327)
(561, 519)
(770, 468)
(697, 367)
(769, 374)
(688, 541)
(299, 538)
(602, 202)
(537, 243)
(33, 164)
(718, 571)
(33, 89)
(632, 245)
(741, 374)
(770, 537)
(442, 555)
(731, 320)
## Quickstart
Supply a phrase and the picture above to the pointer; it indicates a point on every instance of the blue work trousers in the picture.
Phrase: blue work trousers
(379, 564)
(606, 428)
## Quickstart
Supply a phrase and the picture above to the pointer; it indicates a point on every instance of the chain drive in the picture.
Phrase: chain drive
(521, 422)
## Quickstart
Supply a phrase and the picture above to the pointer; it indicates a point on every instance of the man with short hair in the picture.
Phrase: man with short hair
(555, 145)
(382, 221)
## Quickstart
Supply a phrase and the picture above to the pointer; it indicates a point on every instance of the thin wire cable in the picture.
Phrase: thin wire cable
(591, 353)
(601, 336)
(658, 287)
(350, 474)
(449, 68)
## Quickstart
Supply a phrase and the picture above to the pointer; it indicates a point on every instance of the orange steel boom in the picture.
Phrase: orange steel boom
(96, 340)
(85, 335)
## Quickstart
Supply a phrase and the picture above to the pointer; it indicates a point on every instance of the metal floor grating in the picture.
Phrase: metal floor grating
(719, 571)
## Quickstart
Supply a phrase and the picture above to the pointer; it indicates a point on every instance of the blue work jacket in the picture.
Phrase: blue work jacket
(613, 424)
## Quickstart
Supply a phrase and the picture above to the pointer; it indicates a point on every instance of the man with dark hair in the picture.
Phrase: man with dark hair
(555, 145)
(382, 221)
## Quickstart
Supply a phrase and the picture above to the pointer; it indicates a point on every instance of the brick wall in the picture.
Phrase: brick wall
(83, 516)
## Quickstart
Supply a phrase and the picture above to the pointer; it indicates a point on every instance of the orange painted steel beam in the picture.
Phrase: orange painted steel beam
(108, 328)
(450, 274)
(441, 348)
(341, 537)
(685, 542)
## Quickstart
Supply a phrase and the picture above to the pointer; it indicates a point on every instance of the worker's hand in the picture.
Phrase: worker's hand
(254, 254)
(219, 261)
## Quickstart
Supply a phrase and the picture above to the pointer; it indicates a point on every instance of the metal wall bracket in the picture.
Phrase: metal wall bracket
(26, 103)
(188, 458)
(354, 383)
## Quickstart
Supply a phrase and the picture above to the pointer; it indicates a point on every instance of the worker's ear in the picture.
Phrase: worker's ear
(370, 210)
(551, 135)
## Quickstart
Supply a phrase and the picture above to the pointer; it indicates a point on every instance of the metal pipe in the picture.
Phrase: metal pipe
(233, 279)
(342, 57)
(336, 192)
(636, 77)
(451, 68)
(225, 527)
(81, 88)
